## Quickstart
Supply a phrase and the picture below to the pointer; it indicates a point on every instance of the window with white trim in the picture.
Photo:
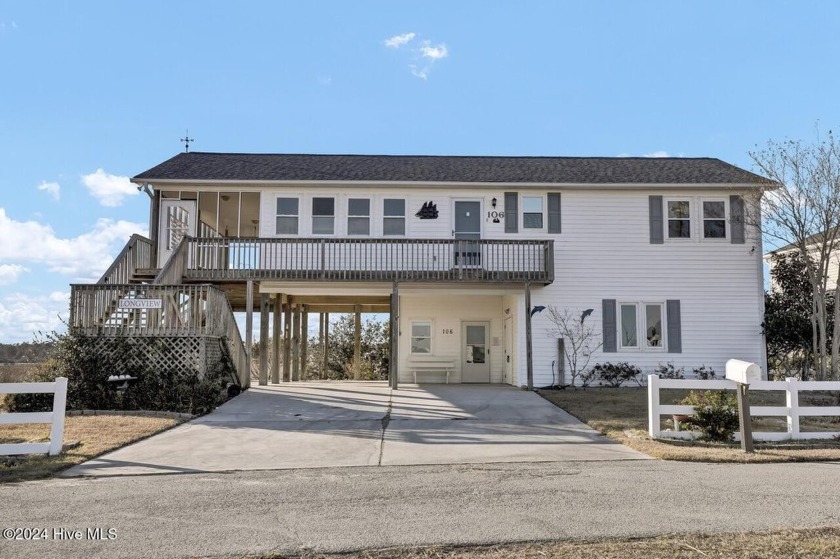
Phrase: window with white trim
(714, 219)
(393, 216)
(421, 337)
(641, 325)
(323, 216)
(532, 212)
(679, 219)
(287, 216)
(358, 216)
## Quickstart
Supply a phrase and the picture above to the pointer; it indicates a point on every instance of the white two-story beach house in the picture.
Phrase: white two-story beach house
(460, 251)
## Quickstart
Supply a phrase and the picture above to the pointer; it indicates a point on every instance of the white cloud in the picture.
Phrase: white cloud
(434, 52)
(657, 154)
(51, 188)
(22, 316)
(109, 189)
(9, 273)
(83, 257)
(399, 40)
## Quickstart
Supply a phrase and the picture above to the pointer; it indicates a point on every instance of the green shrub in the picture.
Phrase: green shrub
(704, 373)
(670, 371)
(715, 414)
(171, 388)
(616, 374)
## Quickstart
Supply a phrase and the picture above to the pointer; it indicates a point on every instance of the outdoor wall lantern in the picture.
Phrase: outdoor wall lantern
(493, 202)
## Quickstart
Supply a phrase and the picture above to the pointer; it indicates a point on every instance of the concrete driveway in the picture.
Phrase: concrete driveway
(329, 424)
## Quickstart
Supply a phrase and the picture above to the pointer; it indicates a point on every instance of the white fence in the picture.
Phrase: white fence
(792, 411)
(54, 417)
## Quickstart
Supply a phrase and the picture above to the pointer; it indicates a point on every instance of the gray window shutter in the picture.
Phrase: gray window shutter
(554, 212)
(736, 223)
(656, 220)
(672, 310)
(511, 212)
(608, 325)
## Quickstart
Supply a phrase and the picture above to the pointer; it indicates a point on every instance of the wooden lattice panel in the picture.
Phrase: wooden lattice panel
(184, 352)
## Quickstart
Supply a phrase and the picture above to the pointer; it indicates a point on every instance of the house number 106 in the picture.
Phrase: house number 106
(448, 331)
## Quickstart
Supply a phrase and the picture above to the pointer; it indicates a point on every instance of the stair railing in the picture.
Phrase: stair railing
(136, 254)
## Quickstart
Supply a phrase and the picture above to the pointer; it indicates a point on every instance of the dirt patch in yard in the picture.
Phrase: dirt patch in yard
(85, 437)
(621, 414)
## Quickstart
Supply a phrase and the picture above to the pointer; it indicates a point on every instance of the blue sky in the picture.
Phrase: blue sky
(95, 92)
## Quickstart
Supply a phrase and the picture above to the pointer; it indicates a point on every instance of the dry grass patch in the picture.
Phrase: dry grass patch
(816, 543)
(95, 435)
(621, 414)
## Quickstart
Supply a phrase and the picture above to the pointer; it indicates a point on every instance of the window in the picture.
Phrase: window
(358, 216)
(532, 212)
(323, 216)
(628, 326)
(287, 216)
(645, 319)
(679, 219)
(714, 219)
(421, 337)
(653, 326)
(393, 221)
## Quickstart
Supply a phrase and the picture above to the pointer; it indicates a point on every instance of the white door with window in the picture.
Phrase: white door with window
(467, 227)
(475, 353)
(177, 220)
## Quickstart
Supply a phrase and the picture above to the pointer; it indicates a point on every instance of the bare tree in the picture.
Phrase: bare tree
(803, 214)
(580, 339)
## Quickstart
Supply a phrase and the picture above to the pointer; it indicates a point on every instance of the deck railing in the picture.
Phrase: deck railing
(157, 310)
(215, 259)
(136, 254)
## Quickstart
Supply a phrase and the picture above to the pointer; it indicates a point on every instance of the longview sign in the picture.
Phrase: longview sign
(141, 303)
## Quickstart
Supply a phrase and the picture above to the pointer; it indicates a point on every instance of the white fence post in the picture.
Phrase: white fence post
(792, 393)
(653, 406)
(59, 408)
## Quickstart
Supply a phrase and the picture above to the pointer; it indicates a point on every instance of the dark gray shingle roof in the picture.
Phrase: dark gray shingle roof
(445, 168)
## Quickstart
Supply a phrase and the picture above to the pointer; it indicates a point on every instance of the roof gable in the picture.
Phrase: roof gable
(247, 167)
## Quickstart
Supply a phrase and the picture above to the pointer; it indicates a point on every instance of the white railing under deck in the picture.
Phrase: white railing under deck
(55, 417)
(219, 259)
(792, 410)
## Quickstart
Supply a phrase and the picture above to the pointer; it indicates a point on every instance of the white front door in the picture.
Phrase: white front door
(509, 350)
(177, 220)
(475, 352)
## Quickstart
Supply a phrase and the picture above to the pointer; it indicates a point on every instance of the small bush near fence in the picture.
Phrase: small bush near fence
(669, 371)
(715, 414)
(163, 389)
(615, 374)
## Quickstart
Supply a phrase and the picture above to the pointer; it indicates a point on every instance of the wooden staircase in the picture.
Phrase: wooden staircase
(144, 275)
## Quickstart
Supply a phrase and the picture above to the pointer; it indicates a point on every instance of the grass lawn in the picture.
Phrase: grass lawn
(95, 435)
(817, 543)
(621, 414)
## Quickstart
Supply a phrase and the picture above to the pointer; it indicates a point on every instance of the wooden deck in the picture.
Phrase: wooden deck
(361, 260)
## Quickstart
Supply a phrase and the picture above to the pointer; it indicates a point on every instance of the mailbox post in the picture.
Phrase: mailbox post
(743, 373)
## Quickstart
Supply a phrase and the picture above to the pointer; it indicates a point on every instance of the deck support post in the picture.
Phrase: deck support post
(249, 322)
(296, 344)
(287, 345)
(357, 343)
(393, 372)
(304, 342)
(275, 339)
(264, 315)
(321, 338)
(528, 343)
(325, 368)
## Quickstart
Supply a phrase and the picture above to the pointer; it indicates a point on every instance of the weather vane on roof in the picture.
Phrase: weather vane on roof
(186, 139)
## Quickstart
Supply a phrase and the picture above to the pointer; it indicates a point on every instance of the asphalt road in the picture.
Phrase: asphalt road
(334, 509)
